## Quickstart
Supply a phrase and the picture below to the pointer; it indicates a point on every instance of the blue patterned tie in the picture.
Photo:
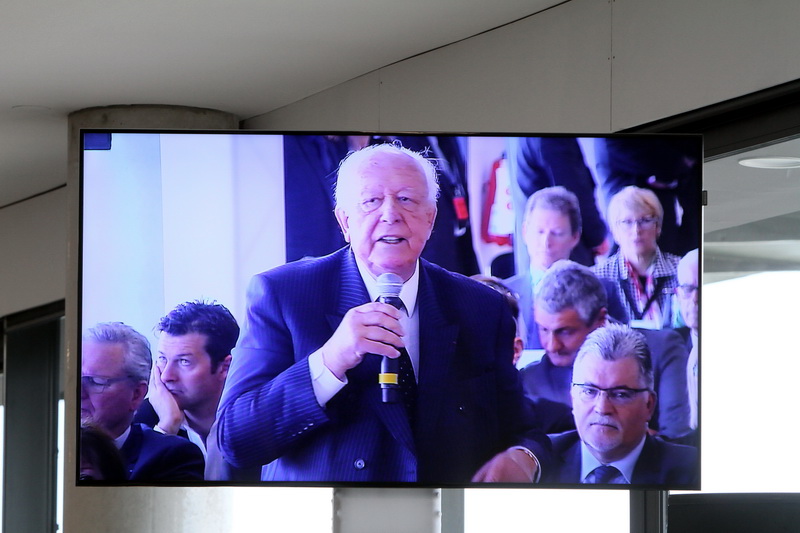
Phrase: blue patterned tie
(604, 474)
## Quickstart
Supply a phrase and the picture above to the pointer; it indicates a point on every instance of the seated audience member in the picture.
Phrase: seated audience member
(536, 163)
(513, 304)
(645, 277)
(551, 228)
(688, 287)
(612, 401)
(100, 459)
(570, 303)
(115, 367)
(194, 352)
(669, 166)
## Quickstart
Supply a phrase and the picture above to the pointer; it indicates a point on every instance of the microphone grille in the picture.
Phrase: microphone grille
(389, 284)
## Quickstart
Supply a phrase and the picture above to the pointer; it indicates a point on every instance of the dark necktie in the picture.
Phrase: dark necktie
(407, 381)
(605, 473)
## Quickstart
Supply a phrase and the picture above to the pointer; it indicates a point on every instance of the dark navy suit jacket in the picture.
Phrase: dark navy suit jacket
(549, 387)
(470, 404)
(215, 468)
(660, 463)
(153, 456)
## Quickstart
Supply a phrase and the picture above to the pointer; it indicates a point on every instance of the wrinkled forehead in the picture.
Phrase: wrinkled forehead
(397, 168)
(108, 356)
(393, 171)
(593, 369)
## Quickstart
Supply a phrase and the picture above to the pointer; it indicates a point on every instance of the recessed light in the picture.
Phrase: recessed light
(771, 162)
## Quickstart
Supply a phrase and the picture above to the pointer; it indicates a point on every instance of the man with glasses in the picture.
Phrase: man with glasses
(115, 368)
(612, 401)
(570, 303)
(688, 281)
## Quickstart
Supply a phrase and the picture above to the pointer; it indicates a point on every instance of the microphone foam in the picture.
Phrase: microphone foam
(389, 284)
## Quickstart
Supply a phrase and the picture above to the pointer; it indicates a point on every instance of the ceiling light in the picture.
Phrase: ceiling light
(771, 162)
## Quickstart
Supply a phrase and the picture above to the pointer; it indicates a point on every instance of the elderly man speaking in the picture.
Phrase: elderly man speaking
(302, 395)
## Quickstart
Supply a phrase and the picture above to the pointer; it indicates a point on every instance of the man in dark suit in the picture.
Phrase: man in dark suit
(612, 401)
(302, 395)
(115, 367)
(570, 303)
(536, 163)
(551, 228)
(193, 355)
(311, 162)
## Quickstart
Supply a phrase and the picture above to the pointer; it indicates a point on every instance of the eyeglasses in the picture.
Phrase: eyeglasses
(615, 395)
(644, 222)
(96, 384)
(687, 289)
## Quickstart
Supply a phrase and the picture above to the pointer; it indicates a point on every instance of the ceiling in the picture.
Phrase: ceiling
(249, 57)
(245, 57)
(752, 221)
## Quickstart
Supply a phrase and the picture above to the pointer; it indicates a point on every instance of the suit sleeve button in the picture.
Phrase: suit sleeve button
(359, 464)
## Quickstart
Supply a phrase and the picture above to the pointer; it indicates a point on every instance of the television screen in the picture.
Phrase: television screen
(389, 309)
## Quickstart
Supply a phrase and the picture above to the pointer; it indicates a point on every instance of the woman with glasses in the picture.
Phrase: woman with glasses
(645, 277)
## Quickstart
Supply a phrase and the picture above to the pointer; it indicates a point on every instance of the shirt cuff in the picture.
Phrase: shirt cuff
(530, 454)
(324, 382)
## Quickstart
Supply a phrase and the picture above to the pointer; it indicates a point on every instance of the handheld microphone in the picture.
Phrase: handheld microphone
(389, 286)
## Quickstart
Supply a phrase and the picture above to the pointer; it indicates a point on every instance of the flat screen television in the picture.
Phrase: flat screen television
(169, 217)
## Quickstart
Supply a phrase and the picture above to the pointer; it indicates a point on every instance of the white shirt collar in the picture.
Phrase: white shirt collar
(408, 293)
(194, 437)
(625, 465)
(120, 441)
(536, 277)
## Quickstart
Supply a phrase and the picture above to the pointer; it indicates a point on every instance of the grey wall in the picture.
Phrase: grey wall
(586, 65)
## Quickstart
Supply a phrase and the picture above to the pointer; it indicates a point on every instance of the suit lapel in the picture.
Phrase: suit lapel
(648, 466)
(353, 293)
(569, 460)
(132, 446)
(437, 353)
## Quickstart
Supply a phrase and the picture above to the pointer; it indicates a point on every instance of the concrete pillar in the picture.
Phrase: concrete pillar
(128, 509)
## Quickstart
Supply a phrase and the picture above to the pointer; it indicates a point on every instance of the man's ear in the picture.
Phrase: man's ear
(651, 403)
(344, 222)
(576, 238)
(601, 318)
(519, 346)
(224, 366)
(431, 221)
(138, 394)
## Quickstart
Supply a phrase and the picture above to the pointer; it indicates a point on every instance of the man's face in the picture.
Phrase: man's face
(610, 430)
(687, 294)
(548, 237)
(109, 400)
(186, 371)
(386, 214)
(563, 333)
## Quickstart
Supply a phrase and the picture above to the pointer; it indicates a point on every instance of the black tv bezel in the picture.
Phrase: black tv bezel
(334, 484)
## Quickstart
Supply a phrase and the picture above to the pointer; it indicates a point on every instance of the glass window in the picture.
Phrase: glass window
(749, 316)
